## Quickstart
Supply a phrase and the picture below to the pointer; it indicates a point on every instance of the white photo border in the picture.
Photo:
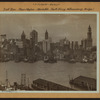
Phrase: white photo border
(97, 74)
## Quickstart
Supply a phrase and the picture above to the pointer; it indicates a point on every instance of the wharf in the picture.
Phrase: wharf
(41, 84)
(85, 83)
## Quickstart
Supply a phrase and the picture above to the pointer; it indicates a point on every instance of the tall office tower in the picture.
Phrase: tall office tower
(34, 36)
(76, 45)
(46, 43)
(89, 38)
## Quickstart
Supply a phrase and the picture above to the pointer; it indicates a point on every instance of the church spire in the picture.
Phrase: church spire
(89, 28)
(23, 36)
(89, 34)
(23, 33)
(46, 34)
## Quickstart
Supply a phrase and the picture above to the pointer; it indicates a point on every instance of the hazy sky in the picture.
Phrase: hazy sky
(72, 26)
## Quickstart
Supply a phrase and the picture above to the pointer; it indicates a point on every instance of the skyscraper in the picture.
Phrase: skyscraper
(84, 44)
(76, 45)
(72, 45)
(46, 42)
(65, 44)
(87, 43)
(34, 37)
(89, 34)
(89, 38)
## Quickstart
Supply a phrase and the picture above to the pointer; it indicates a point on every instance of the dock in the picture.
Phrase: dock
(85, 83)
(41, 84)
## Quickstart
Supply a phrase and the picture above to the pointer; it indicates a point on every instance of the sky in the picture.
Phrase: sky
(72, 26)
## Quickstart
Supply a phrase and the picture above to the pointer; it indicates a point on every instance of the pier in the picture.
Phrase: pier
(85, 83)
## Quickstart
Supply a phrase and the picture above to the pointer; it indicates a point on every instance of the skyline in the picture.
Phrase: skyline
(58, 26)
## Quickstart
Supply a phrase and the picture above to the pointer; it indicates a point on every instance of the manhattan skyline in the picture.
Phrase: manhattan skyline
(72, 26)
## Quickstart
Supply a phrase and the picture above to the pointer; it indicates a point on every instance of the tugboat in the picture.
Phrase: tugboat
(72, 60)
(30, 60)
(52, 59)
(46, 59)
(90, 60)
(2, 87)
(6, 59)
(84, 60)
(17, 59)
(25, 60)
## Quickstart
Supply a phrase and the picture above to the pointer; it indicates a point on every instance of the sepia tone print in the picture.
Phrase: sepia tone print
(48, 52)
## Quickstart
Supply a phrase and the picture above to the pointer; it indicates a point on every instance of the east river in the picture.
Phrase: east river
(59, 72)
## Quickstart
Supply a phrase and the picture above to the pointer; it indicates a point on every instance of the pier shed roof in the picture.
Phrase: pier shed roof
(85, 80)
(51, 85)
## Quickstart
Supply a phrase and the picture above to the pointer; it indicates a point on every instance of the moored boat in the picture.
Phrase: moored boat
(25, 60)
(50, 59)
(90, 60)
(84, 60)
(46, 59)
(72, 60)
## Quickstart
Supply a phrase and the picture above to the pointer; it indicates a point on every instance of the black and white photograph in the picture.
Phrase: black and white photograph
(48, 52)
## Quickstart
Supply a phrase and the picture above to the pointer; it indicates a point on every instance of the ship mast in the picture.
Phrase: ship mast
(6, 78)
(28, 82)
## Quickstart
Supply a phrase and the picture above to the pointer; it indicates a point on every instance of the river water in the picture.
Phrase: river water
(59, 72)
